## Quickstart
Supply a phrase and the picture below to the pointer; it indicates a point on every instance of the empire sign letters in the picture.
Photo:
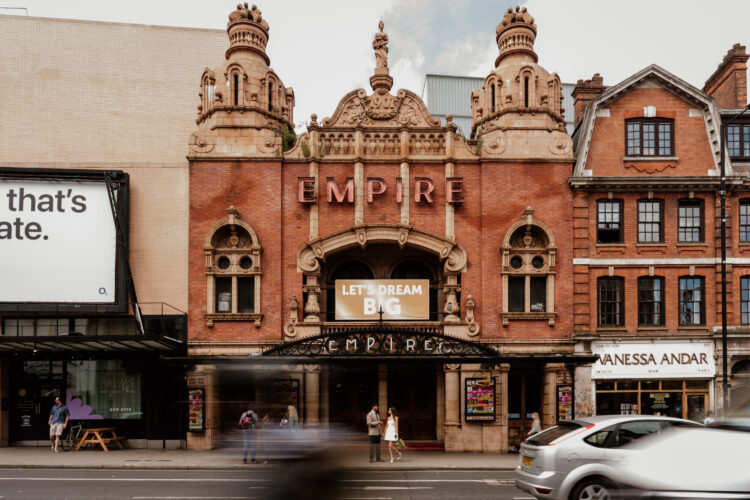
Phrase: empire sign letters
(423, 190)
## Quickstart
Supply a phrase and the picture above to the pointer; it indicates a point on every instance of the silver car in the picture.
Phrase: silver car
(578, 460)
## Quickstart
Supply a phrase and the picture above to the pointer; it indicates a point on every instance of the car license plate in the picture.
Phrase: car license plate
(527, 461)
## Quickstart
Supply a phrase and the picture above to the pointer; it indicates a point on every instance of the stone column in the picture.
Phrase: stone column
(440, 403)
(314, 206)
(584, 400)
(549, 395)
(359, 193)
(383, 390)
(453, 407)
(206, 377)
(312, 395)
(405, 193)
(502, 410)
(451, 307)
(312, 306)
(325, 401)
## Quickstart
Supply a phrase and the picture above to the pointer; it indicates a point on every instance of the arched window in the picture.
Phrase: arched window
(492, 97)
(526, 92)
(528, 255)
(416, 270)
(346, 270)
(208, 85)
(233, 271)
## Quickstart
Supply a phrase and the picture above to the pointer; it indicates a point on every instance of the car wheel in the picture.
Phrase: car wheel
(594, 489)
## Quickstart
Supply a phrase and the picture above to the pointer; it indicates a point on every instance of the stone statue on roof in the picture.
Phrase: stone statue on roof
(380, 44)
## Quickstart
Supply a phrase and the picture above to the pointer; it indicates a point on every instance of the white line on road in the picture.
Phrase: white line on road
(362, 498)
(524, 498)
(500, 482)
(131, 479)
(192, 498)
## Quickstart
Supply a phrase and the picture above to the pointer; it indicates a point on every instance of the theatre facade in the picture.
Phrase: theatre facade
(382, 257)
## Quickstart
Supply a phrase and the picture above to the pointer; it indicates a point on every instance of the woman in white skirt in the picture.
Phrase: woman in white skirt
(391, 433)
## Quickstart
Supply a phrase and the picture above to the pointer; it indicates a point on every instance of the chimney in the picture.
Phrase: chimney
(728, 84)
(583, 94)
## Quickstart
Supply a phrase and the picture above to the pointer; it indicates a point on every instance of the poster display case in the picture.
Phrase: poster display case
(196, 410)
(565, 403)
(480, 399)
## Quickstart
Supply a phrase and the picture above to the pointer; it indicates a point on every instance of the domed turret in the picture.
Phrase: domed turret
(244, 98)
(518, 111)
(515, 35)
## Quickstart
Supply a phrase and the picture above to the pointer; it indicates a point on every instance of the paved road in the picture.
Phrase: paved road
(258, 484)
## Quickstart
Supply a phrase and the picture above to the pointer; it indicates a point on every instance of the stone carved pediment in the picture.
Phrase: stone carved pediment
(405, 109)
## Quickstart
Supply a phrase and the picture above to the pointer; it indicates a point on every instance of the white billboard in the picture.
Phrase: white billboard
(653, 360)
(57, 242)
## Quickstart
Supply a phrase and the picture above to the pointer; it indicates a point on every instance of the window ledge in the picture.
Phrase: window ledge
(518, 315)
(743, 243)
(652, 328)
(256, 317)
(692, 327)
(611, 245)
(611, 329)
(651, 245)
(650, 158)
(692, 244)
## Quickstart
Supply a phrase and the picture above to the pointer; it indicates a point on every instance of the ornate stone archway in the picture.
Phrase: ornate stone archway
(310, 256)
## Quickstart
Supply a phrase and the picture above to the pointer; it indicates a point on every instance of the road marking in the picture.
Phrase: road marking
(524, 498)
(493, 482)
(362, 498)
(132, 479)
(192, 498)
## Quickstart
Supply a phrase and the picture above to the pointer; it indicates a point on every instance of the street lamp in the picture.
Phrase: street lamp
(723, 196)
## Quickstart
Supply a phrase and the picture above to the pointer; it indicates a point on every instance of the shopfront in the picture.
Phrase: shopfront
(666, 378)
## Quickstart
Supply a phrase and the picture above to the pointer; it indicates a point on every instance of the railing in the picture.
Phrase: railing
(159, 319)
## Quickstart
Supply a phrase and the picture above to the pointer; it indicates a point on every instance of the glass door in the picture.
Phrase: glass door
(696, 407)
(40, 382)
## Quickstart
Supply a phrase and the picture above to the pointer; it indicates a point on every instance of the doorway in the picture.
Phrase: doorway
(352, 392)
(412, 390)
(524, 399)
(40, 382)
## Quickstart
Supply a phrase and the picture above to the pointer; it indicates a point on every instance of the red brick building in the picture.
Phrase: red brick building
(647, 247)
(382, 191)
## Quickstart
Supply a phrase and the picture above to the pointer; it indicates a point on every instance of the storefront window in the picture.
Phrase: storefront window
(112, 388)
(672, 398)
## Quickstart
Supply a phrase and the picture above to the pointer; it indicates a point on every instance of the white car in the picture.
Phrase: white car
(701, 463)
(579, 459)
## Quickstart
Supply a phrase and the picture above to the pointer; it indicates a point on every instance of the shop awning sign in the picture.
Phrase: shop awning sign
(382, 299)
(639, 360)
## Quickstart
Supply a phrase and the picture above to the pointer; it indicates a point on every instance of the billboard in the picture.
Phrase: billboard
(58, 242)
(397, 299)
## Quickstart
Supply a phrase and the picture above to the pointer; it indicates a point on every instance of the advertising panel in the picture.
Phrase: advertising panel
(653, 360)
(58, 239)
(480, 399)
(196, 410)
(396, 299)
(564, 403)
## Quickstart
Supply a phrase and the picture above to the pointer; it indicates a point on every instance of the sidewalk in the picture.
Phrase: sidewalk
(43, 458)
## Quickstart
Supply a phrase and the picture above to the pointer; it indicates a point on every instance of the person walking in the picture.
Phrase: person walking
(536, 424)
(293, 418)
(58, 420)
(709, 418)
(248, 422)
(391, 433)
(373, 430)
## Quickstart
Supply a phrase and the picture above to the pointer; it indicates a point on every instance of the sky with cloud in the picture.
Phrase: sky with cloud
(323, 49)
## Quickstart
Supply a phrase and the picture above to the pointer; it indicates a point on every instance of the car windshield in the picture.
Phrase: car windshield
(558, 431)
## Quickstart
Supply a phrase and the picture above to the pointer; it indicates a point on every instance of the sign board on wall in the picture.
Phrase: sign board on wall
(196, 410)
(564, 403)
(57, 240)
(639, 360)
(398, 299)
(480, 399)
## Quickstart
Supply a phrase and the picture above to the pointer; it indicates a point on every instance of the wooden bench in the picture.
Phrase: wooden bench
(101, 436)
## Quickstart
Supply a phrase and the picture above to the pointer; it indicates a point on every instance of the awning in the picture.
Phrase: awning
(91, 344)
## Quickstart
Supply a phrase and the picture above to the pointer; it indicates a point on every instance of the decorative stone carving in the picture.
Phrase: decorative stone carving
(380, 45)
(405, 109)
(200, 143)
(472, 329)
(316, 250)
(382, 107)
(650, 168)
(451, 307)
(291, 323)
(312, 307)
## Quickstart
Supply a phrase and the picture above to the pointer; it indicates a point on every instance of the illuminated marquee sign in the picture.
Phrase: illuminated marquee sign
(423, 190)
(395, 299)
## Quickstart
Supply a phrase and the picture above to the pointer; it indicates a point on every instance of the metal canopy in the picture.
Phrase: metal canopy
(100, 344)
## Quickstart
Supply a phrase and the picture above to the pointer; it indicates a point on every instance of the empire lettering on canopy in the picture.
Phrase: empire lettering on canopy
(424, 189)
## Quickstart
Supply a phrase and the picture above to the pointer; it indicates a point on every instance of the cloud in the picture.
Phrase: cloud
(578, 38)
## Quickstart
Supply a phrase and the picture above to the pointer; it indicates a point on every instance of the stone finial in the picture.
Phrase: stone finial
(516, 34)
(381, 82)
(247, 31)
